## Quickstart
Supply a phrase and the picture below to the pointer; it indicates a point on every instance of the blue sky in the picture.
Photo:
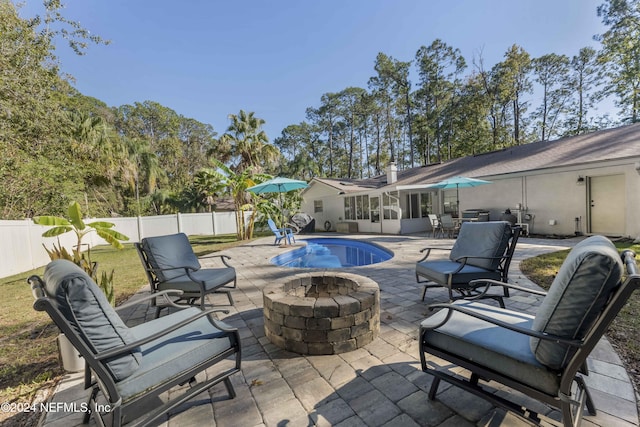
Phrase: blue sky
(207, 59)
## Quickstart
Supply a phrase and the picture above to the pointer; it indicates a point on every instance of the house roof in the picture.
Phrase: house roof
(611, 144)
(353, 185)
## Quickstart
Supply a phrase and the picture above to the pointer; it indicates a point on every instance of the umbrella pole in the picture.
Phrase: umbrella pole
(281, 211)
(458, 200)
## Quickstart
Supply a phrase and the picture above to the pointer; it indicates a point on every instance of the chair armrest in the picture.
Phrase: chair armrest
(429, 249)
(491, 282)
(127, 348)
(535, 334)
(167, 292)
(464, 258)
(222, 257)
(185, 268)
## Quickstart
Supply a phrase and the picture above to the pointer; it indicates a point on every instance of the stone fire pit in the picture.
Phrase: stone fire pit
(323, 313)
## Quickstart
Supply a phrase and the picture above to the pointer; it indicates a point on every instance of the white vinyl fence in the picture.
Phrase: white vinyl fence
(21, 242)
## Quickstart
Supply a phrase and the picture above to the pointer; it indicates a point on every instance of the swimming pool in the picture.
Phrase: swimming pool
(333, 253)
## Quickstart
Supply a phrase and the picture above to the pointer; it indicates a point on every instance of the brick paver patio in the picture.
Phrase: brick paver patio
(380, 384)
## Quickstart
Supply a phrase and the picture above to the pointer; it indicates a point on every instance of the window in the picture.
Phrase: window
(417, 205)
(451, 203)
(317, 206)
(356, 207)
(362, 207)
(375, 209)
(414, 206)
(349, 208)
(390, 206)
(426, 204)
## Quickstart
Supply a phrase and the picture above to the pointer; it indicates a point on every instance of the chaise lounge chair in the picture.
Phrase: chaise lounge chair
(541, 356)
(170, 263)
(481, 251)
(132, 367)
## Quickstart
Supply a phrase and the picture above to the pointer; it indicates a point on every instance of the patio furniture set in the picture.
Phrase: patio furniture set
(542, 356)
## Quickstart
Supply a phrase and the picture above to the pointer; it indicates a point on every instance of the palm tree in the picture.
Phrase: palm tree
(142, 168)
(208, 187)
(249, 142)
(237, 184)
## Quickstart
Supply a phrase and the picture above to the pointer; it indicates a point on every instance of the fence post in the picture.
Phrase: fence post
(139, 223)
(179, 221)
(32, 261)
(213, 222)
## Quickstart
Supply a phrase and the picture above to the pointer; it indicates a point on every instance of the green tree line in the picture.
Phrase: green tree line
(438, 105)
(58, 145)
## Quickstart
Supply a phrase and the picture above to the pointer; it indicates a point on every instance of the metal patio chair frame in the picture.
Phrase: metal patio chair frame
(436, 228)
(170, 263)
(467, 319)
(448, 226)
(192, 330)
(455, 273)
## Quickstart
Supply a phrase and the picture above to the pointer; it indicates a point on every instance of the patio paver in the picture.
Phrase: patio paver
(380, 384)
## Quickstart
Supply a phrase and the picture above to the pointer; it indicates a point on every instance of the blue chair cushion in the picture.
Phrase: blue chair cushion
(174, 353)
(578, 293)
(87, 310)
(212, 278)
(490, 346)
(170, 251)
(439, 271)
(482, 239)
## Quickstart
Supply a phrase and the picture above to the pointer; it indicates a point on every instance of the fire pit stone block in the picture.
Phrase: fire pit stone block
(322, 313)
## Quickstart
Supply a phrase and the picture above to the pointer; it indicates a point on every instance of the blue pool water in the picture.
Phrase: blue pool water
(333, 253)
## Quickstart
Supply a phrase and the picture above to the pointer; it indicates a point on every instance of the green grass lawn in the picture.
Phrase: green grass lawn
(624, 333)
(28, 349)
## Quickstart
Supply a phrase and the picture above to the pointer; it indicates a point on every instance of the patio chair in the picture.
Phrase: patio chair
(541, 356)
(170, 263)
(130, 370)
(436, 228)
(448, 226)
(483, 250)
(281, 233)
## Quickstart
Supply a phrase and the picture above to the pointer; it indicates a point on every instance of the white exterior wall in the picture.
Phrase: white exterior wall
(332, 205)
(554, 211)
(415, 225)
(556, 196)
(503, 193)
